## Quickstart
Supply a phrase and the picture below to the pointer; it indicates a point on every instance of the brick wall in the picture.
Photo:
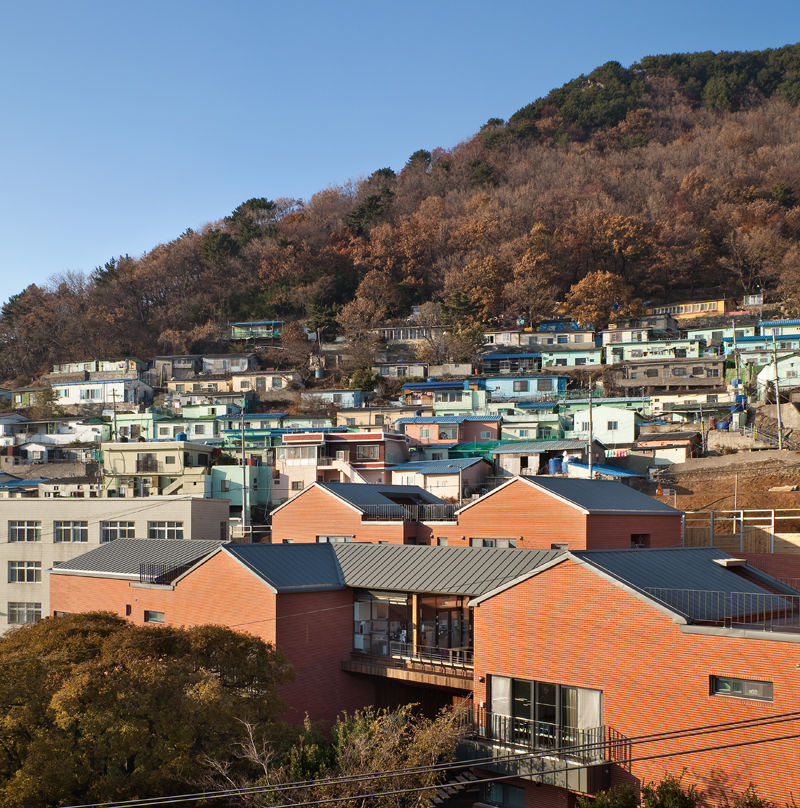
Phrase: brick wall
(568, 625)
(314, 630)
(609, 531)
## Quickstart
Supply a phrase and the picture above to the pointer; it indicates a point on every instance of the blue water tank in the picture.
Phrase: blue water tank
(181, 436)
(554, 465)
(741, 399)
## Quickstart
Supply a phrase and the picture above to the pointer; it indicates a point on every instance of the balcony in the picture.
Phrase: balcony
(553, 754)
(410, 513)
(437, 667)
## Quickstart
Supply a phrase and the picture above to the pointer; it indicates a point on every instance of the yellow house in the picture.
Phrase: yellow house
(201, 384)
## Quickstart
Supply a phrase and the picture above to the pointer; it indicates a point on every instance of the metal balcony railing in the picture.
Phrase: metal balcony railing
(593, 745)
(753, 610)
(409, 513)
(439, 657)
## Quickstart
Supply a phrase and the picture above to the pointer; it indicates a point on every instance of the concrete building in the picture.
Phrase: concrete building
(39, 533)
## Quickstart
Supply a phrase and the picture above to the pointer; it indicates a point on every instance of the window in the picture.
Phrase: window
(544, 384)
(712, 372)
(199, 429)
(350, 421)
(70, 530)
(165, 530)
(333, 539)
(546, 715)
(502, 543)
(651, 373)
(224, 484)
(425, 432)
(163, 430)
(611, 426)
(90, 394)
(379, 420)
(640, 540)
(521, 387)
(153, 617)
(678, 371)
(368, 452)
(169, 460)
(24, 531)
(740, 688)
(442, 541)
(24, 572)
(116, 530)
(485, 434)
(503, 795)
(297, 485)
(20, 613)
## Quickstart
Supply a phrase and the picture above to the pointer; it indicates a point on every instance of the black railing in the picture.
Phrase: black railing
(592, 745)
(161, 574)
(409, 513)
(449, 657)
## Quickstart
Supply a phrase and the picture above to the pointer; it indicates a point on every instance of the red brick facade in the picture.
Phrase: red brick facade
(570, 626)
(313, 629)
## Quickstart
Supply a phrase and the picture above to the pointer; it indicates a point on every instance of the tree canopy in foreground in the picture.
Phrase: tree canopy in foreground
(93, 708)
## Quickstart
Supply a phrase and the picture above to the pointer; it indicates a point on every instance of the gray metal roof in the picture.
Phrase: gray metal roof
(122, 557)
(446, 419)
(443, 570)
(291, 567)
(361, 494)
(536, 446)
(687, 579)
(439, 466)
(602, 496)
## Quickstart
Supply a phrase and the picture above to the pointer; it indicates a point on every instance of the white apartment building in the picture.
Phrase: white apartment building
(36, 534)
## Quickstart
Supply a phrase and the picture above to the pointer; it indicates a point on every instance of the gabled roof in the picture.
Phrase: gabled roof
(468, 571)
(363, 494)
(689, 583)
(590, 496)
(439, 466)
(443, 570)
(122, 558)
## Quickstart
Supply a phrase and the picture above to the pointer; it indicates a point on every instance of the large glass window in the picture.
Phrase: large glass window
(543, 715)
(741, 688)
(70, 531)
(24, 531)
(368, 452)
(381, 619)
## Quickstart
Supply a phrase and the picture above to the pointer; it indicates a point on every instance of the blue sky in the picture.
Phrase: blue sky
(122, 124)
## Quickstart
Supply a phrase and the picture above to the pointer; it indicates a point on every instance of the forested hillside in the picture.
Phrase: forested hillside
(680, 174)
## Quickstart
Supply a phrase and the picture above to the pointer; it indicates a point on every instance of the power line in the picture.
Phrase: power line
(574, 749)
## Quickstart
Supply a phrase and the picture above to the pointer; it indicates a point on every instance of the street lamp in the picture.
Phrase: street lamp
(460, 483)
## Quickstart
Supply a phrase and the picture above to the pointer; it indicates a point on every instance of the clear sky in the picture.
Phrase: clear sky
(124, 123)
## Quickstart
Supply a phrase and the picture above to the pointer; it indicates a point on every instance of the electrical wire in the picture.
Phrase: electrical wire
(638, 740)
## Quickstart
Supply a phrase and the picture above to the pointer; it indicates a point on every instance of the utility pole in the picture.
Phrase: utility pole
(114, 404)
(591, 433)
(777, 391)
(735, 351)
(244, 478)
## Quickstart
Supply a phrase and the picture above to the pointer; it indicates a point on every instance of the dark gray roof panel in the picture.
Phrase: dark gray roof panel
(291, 567)
(603, 496)
(687, 579)
(360, 494)
(444, 570)
(123, 556)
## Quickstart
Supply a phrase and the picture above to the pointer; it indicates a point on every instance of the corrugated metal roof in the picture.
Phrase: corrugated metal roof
(457, 383)
(537, 405)
(536, 446)
(446, 419)
(123, 556)
(360, 494)
(439, 466)
(602, 496)
(772, 323)
(291, 567)
(443, 570)
(610, 471)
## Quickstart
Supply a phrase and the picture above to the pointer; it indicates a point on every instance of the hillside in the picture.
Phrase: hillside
(679, 175)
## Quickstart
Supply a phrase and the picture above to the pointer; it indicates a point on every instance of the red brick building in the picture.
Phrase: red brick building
(542, 512)
(588, 661)
(353, 512)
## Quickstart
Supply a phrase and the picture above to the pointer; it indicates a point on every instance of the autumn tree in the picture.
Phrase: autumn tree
(95, 709)
(599, 297)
